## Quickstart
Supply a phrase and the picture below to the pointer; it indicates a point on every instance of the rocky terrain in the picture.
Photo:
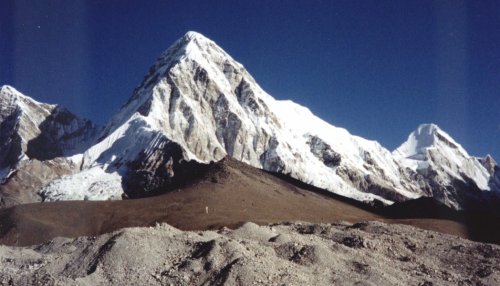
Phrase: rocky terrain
(366, 253)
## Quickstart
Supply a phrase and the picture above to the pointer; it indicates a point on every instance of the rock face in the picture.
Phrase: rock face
(32, 135)
(292, 254)
(197, 105)
(34, 130)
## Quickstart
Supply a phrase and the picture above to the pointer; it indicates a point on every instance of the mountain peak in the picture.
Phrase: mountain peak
(191, 35)
(438, 135)
(6, 88)
(191, 42)
(197, 105)
(10, 95)
(427, 136)
(34, 130)
(192, 47)
(197, 39)
(7, 91)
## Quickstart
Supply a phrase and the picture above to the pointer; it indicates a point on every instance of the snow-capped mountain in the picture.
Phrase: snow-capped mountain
(34, 130)
(441, 167)
(34, 138)
(197, 105)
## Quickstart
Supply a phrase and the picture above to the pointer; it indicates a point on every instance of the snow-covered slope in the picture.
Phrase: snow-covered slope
(440, 166)
(197, 105)
(203, 104)
(34, 130)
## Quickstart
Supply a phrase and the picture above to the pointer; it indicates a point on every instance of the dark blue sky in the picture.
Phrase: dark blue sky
(377, 68)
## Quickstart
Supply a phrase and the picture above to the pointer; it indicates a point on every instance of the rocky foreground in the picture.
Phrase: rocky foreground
(370, 253)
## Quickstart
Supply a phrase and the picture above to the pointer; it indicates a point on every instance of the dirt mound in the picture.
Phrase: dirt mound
(367, 253)
(229, 194)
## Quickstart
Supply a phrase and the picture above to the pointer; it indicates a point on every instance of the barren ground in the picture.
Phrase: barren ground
(371, 253)
(230, 194)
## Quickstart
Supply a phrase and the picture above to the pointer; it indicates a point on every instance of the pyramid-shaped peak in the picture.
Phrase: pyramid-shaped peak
(191, 40)
(427, 132)
(192, 45)
(427, 136)
(191, 35)
(430, 134)
(431, 127)
(489, 158)
(196, 41)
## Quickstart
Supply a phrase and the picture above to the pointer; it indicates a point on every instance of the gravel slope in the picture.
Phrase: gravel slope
(370, 253)
(229, 194)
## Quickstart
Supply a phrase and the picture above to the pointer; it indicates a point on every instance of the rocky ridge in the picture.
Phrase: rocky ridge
(36, 140)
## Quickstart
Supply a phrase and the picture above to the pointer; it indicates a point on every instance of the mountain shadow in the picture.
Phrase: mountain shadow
(10, 141)
(61, 134)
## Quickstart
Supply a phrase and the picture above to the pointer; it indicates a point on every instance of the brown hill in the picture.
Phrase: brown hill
(228, 193)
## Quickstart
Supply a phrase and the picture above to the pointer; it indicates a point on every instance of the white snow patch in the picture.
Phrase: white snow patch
(90, 184)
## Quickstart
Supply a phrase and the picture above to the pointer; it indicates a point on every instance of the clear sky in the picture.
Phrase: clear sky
(377, 68)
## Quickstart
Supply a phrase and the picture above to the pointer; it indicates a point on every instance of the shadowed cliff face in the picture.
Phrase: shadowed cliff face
(160, 171)
(40, 131)
(61, 134)
(20, 118)
(10, 141)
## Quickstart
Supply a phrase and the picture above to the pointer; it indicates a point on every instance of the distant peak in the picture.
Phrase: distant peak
(431, 130)
(427, 136)
(10, 94)
(427, 128)
(430, 133)
(194, 35)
